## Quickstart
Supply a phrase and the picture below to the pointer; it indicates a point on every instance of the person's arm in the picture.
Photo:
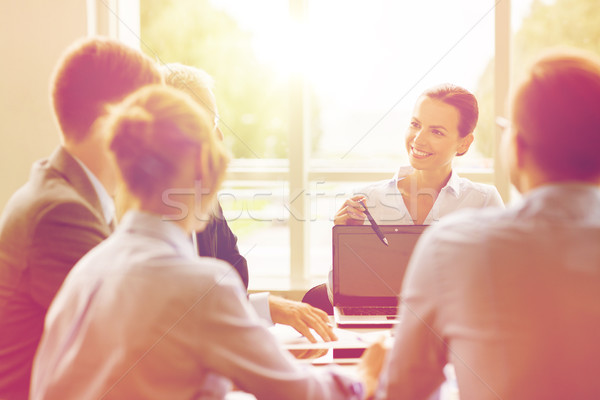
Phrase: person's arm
(62, 235)
(300, 316)
(227, 248)
(232, 341)
(414, 368)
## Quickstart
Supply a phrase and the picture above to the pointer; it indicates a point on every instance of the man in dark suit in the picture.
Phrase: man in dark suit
(66, 208)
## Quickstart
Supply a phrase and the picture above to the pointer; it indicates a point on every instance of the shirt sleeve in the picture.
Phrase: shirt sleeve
(260, 303)
(414, 366)
(232, 341)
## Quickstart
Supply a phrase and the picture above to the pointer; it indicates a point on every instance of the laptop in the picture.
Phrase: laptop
(367, 275)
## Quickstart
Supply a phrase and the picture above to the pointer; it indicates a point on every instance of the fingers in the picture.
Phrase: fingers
(307, 318)
(302, 327)
(351, 212)
(302, 317)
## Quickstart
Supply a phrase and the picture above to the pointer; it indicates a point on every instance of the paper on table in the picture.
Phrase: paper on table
(347, 339)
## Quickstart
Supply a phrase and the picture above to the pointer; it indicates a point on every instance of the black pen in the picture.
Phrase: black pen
(374, 224)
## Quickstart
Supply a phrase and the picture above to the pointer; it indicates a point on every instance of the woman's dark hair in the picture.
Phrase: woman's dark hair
(461, 99)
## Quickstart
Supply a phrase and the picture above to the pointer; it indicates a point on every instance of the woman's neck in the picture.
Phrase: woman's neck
(420, 190)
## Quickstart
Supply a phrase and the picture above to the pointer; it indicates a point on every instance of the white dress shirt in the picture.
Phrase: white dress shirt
(106, 202)
(387, 207)
(509, 297)
(142, 316)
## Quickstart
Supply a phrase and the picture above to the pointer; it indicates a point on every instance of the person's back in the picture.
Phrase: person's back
(521, 320)
(64, 209)
(134, 311)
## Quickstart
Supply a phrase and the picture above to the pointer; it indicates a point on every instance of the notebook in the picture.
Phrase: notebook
(367, 275)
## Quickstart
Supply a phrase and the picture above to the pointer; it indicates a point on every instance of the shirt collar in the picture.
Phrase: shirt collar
(453, 184)
(106, 202)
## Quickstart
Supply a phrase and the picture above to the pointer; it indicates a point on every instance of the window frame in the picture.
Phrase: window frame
(121, 19)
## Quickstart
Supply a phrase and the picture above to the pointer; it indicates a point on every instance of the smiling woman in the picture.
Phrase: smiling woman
(440, 129)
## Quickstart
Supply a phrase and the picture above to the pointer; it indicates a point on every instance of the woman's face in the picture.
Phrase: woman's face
(432, 138)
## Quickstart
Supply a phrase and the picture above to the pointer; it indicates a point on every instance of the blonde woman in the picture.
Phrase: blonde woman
(142, 316)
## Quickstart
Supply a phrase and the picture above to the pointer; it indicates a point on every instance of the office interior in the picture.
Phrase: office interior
(281, 193)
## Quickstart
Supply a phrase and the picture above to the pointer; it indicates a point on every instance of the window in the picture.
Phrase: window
(314, 98)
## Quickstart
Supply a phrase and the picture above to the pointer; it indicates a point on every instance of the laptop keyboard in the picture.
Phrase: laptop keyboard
(369, 310)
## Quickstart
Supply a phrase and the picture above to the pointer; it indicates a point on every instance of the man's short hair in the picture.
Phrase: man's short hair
(556, 114)
(92, 73)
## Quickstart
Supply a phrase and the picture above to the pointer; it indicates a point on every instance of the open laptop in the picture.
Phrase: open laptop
(367, 275)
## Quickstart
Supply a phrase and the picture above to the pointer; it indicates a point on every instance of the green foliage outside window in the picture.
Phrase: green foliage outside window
(252, 105)
(254, 101)
(573, 23)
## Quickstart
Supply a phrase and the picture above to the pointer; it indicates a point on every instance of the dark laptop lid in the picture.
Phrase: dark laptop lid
(365, 271)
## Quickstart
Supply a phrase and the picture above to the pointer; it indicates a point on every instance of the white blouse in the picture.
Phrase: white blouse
(142, 316)
(387, 207)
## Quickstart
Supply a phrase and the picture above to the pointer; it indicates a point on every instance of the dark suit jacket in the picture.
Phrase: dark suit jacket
(46, 227)
(218, 241)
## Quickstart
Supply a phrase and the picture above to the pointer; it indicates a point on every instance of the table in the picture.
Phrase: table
(344, 352)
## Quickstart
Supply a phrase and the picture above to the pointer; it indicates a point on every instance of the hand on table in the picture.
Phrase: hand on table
(302, 317)
(351, 212)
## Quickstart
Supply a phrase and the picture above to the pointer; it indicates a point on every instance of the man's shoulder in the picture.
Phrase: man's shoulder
(475, 221)
(45, 191)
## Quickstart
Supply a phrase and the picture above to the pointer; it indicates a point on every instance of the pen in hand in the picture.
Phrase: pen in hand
(374, 224)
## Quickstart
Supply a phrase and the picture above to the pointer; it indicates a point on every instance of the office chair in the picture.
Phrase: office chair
(318, 298)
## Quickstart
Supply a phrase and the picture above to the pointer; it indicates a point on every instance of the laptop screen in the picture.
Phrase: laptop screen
(366, 271)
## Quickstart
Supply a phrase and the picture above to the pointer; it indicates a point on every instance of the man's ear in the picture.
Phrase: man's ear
(464, 145)
(520, 150)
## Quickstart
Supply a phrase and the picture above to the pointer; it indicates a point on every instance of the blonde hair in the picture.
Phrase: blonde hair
(150, 134)
(196, 82)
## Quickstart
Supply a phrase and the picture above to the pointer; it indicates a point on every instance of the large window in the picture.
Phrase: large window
(315, 96)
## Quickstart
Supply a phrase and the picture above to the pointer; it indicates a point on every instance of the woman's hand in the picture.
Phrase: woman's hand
(351, 212)
(302, 317)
